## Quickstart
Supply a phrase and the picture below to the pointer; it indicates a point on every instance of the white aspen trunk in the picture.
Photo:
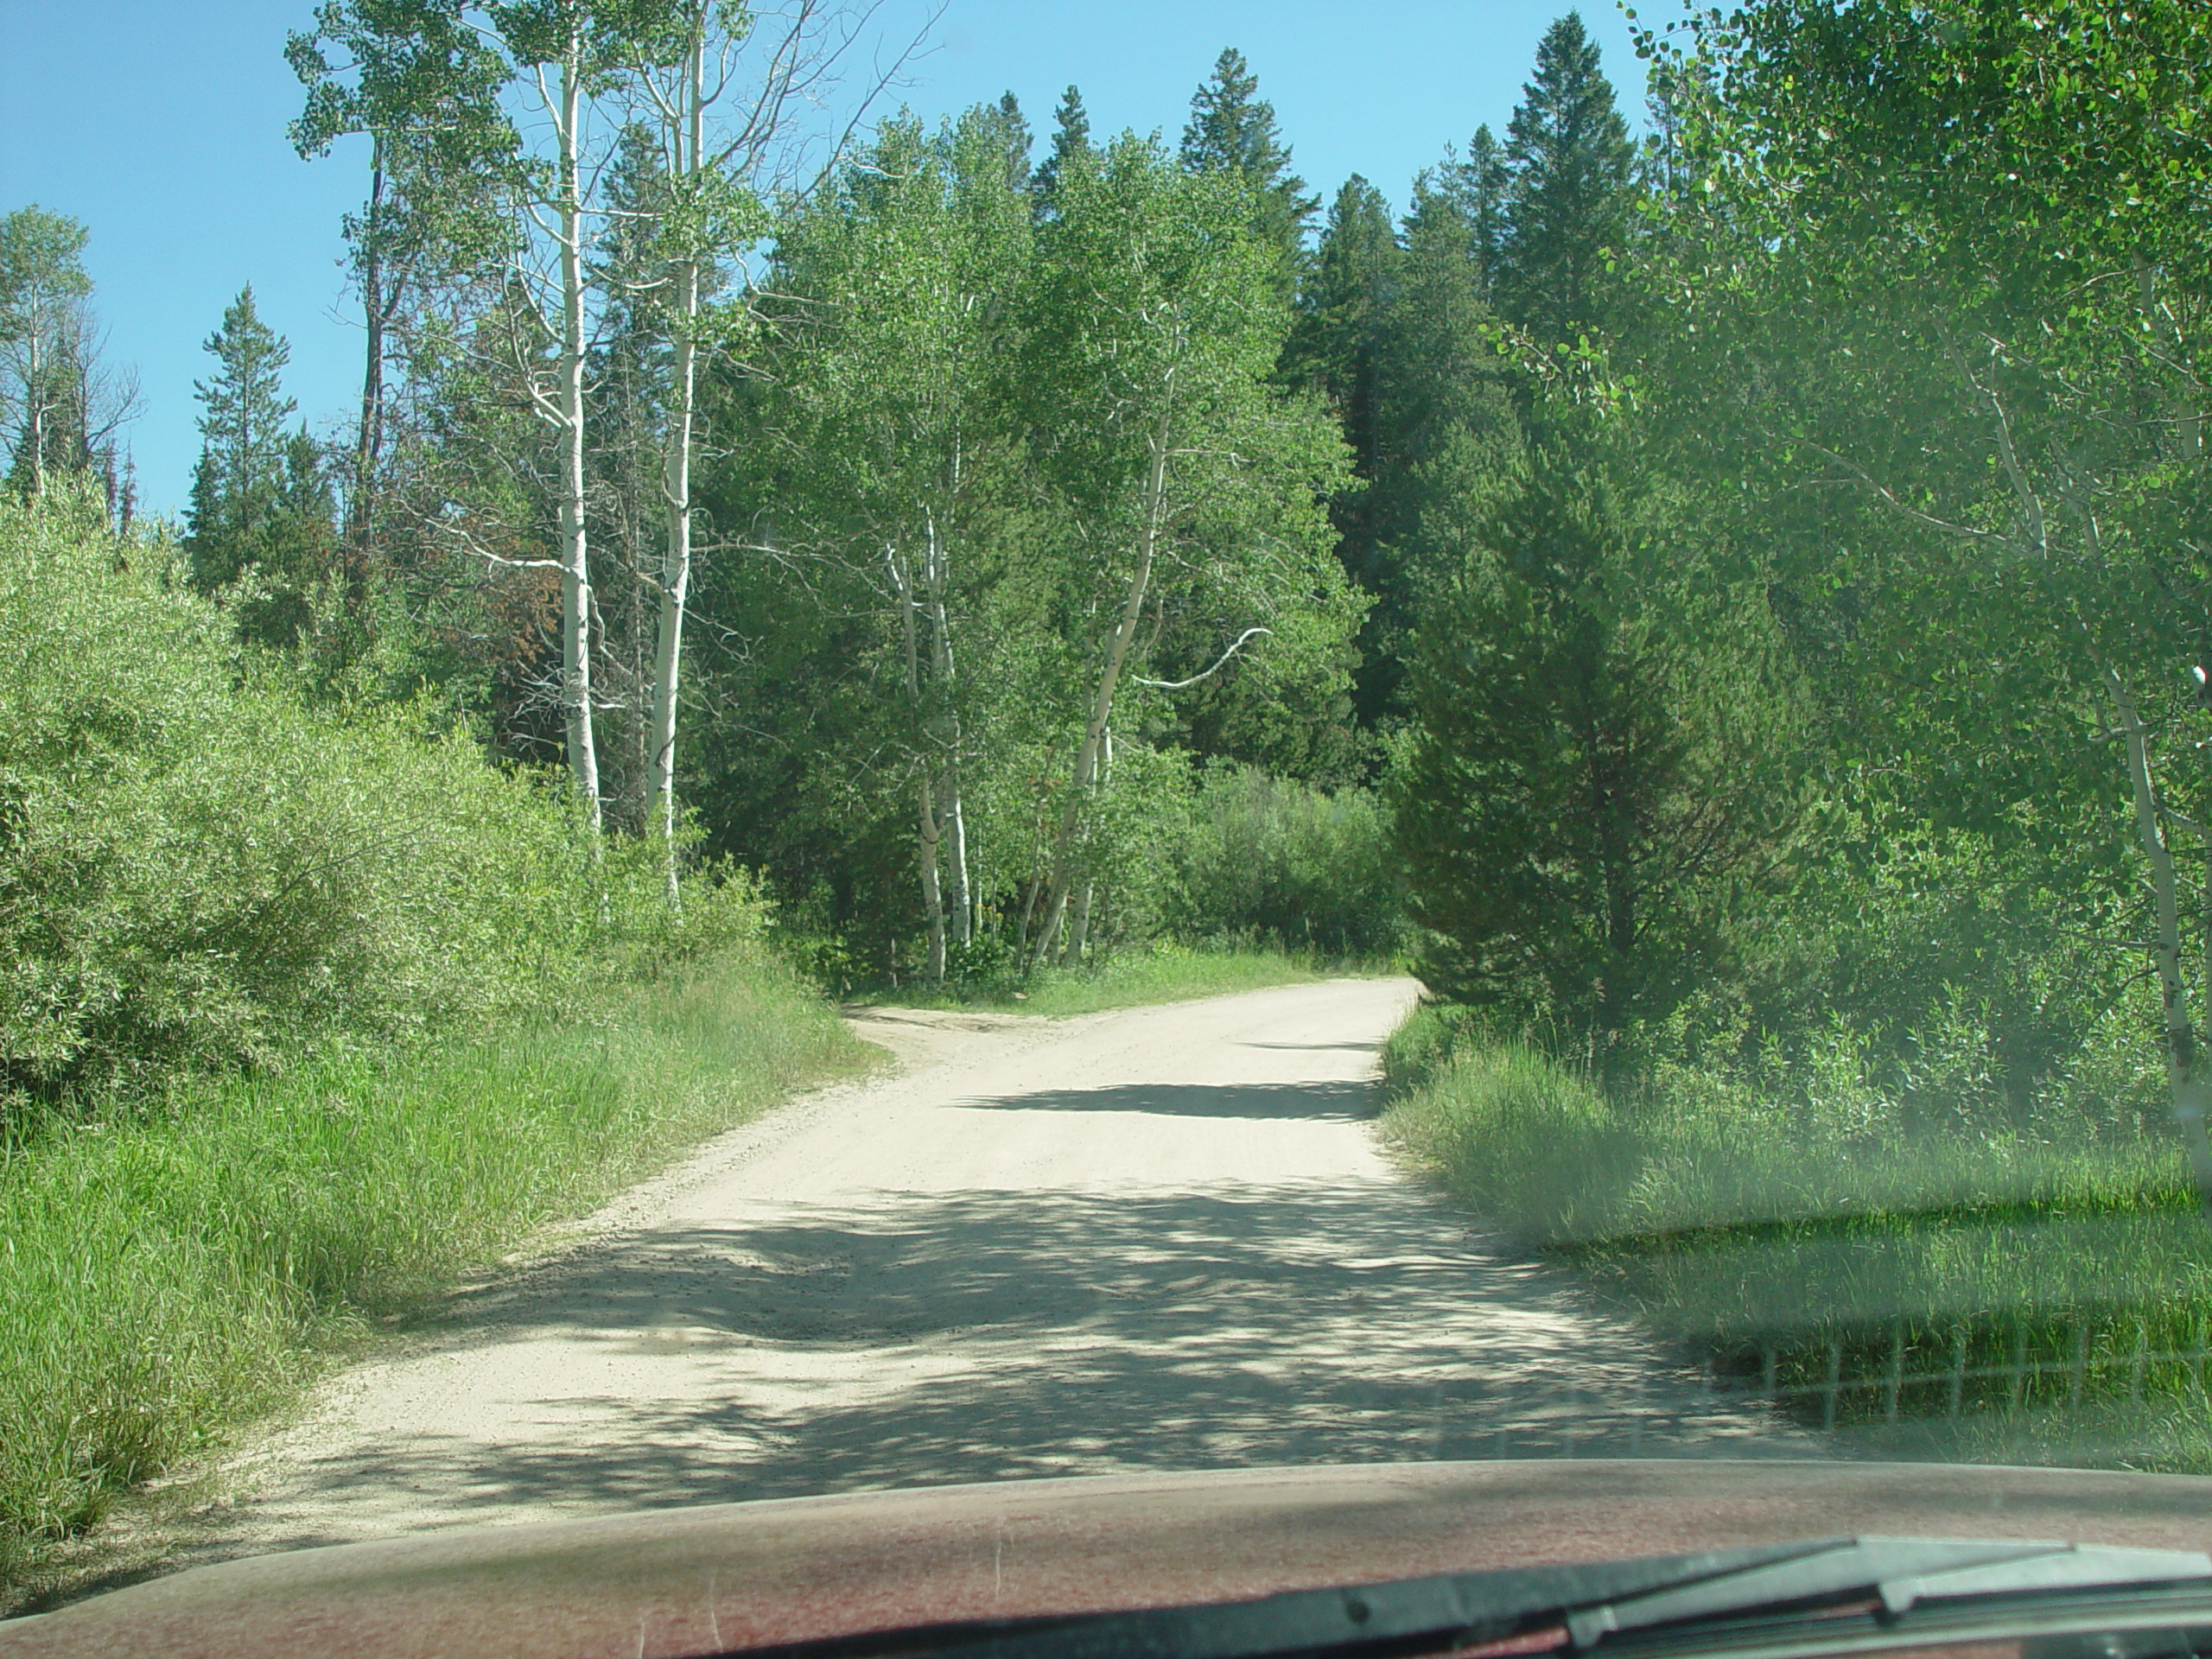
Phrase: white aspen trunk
(1078, 924)
(1079, 927)
(575, 562)
(359, 528)
(930, 835)
(34, 400)
(675, 488)
(1102, 707)
(2181, 1030)
(963, 902)
(952, 817)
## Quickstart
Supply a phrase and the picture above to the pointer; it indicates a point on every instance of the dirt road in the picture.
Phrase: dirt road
(1155, 1239)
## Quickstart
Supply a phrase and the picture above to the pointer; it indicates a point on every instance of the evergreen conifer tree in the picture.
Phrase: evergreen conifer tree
(1070, 138)
(1335, 348)
(240, 473)
(1596, 779)
(1449, 439)
(1232, 129)
(1015, 125)
(1479, 185)
(261, 504)
(1566, 202)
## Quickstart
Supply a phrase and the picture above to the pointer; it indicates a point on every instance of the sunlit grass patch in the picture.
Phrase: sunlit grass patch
(1857, 1273)
(1164, 973)
(166, 1273)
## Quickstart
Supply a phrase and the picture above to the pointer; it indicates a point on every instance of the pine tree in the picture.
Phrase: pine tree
(240, 478)
(1594, 780)
(1566, 204)
(1232, 129)
(1015, 125)
(1070, 138)
(1335, 348)
(1449, 439)
(1479, 184)
(294, 549)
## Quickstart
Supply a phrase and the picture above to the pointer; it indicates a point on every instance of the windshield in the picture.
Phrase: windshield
(764, 753)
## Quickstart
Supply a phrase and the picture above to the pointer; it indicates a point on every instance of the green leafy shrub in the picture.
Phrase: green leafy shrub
(199, 870)
(1268, 859)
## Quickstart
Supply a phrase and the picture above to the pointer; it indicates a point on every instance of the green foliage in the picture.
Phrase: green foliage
(1294, 866)
(199, 870)
(1566, 204)
(1232, 131)
(1599, 775)
(1070, 138)
(59, 410)
(262, 518)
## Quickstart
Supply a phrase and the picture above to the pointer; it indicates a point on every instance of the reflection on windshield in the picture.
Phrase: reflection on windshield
(892, 798)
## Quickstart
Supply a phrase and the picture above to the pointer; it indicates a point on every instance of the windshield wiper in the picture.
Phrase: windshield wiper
(1709, 1598)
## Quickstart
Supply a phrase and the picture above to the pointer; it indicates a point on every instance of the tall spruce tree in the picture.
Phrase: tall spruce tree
(1451, 440)
(1602, 738)
(1070, 138)
(1567, 197)
(1232, 129)
(1336, 346)
(1479, 184)
(241, 474)
(1015, 127)
(262, 511)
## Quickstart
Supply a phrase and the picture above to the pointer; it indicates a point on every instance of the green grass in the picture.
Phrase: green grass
(1134, 979)
(165, 1276)
(1737, 1227)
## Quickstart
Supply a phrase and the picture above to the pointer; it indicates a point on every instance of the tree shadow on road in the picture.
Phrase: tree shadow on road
(928, 1339)
(1323, 1101)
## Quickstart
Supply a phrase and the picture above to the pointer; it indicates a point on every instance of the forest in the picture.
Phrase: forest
(1727, 601)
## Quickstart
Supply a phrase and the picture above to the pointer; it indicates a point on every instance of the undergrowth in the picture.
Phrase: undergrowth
(1733, 1217)
(168, 1271)
(1159, 972)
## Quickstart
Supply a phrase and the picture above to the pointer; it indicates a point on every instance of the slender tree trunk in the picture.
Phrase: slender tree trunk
(930, 833)
(1078, 924)
(676, 481)
(1102, 705)
(954, 818)
(34, 402)
(2181, 1030)
(360, 509)
(575, 562)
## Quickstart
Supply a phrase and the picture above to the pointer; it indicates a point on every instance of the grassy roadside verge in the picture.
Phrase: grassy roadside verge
(165, 1276)
(2015, 1297)
(1162, 974)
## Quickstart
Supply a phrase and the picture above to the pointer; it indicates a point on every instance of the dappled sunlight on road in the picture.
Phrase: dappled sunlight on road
(1103, 1316)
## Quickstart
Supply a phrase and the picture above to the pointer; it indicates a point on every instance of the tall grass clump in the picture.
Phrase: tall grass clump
(304, 1007)
(1800, 1208)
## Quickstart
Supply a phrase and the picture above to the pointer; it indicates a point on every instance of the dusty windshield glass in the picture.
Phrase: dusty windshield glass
(734, 767)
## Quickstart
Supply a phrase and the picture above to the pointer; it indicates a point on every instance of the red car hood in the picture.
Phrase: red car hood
(693, 1581)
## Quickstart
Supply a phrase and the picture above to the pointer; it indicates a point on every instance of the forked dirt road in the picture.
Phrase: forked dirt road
(1157, 1238)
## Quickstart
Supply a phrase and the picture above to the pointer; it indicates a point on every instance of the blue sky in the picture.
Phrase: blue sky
(161, 125)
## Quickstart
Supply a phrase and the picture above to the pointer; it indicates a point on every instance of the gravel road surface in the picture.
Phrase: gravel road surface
(1159, 1237)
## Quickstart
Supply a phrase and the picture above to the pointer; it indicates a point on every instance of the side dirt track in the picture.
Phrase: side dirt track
(1155, 1239)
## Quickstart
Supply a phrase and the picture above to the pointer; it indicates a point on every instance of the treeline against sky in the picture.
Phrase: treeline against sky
(1728, 596)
